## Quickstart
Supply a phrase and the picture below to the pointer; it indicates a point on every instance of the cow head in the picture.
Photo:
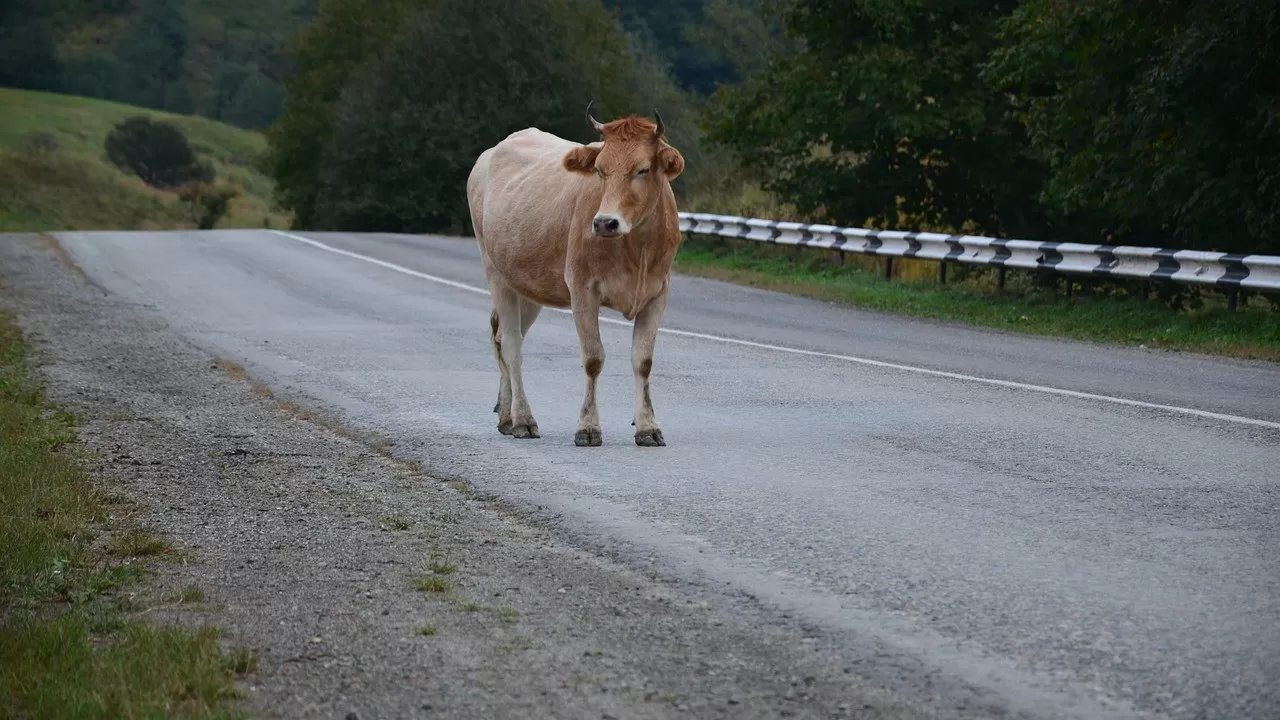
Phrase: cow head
(634, 164)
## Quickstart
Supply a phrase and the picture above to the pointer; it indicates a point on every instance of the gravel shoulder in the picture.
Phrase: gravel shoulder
(307, 540)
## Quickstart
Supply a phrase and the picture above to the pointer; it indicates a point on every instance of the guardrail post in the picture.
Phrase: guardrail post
(1233, 296)
(1146, 289)
(942, 272)
(1000, 273)
(888, 268)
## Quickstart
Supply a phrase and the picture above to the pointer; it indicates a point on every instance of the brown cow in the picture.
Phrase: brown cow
(580, 226)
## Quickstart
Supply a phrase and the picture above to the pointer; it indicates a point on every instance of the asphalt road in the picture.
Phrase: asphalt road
(1052, 528)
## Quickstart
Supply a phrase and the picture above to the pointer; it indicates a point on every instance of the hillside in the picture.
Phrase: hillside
(54, 174)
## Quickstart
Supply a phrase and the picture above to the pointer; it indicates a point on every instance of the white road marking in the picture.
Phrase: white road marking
(814, 353)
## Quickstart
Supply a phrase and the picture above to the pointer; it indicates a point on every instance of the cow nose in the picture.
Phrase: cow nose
(606, 224)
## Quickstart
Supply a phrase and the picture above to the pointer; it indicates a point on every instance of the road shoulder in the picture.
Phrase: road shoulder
(364, 585)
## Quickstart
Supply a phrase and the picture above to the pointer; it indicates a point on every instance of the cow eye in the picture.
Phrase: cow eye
(642, 171)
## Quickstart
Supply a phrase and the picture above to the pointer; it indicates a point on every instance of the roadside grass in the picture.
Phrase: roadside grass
(73, 645)
(54, 174)
(1251, 332)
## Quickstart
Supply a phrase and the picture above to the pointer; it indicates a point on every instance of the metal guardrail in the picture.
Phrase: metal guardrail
(1229, 271)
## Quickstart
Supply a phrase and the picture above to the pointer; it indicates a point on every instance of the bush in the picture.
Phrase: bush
(156, 151)
(208, 202)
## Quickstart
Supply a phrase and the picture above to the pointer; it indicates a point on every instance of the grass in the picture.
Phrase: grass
(430, 583)
(67, 183)
(427, 630)
(440, 566)
(1251, 332)
(72, 644)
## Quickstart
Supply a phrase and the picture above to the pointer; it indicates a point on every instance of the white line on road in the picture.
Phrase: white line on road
(815, 353)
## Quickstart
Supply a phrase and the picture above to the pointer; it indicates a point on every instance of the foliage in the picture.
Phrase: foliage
(156, 151)
(219, 58)
(662, 25)
(880, 118)
(392, 103)
(207, 201)
(1159, 119)
(54, 174)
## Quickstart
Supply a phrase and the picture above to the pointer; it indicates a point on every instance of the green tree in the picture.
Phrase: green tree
(28, 52)
(880, 117)
(384, 122)
(153, 53)
(156, 151)
(325, 54)
(1159, 118)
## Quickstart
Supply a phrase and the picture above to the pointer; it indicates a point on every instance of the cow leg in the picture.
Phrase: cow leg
(643, 336)
(504, 382)
(514, 415)
(586, 316)
(528, 313)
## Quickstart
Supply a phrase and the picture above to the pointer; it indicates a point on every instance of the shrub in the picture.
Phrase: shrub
(156, 151)
(207, 201)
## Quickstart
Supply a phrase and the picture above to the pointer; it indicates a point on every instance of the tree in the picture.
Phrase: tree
(153, 53)
(1159, 119)
(381, 130)
(28, 53)
(343, 35)
(880, 117)
(156, 151)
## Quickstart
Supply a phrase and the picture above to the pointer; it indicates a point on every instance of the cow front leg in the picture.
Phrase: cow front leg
(643, 336)
(518, 420)
(586, 316)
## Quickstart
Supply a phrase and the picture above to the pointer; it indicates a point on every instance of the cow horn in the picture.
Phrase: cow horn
(595, 124)
(662, 128)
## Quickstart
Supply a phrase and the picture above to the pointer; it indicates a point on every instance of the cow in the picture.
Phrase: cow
(568, 225)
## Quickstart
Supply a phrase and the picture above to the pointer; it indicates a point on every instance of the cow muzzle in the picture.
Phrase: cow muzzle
(609, 226)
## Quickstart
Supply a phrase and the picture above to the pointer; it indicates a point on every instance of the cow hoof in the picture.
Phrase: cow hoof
(588, 438)
(650, 438)
(525, 432)
(505, 427)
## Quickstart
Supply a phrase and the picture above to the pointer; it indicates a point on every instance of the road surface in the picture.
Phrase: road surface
(1057, 528)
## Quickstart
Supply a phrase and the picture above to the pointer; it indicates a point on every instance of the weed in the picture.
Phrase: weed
(241, 661)
(440, 566)
(430, 583)
(136, 542)
(426, 630)
(395, 522)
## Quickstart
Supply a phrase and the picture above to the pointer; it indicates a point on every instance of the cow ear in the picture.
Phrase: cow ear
(581, 159)
(672, 162)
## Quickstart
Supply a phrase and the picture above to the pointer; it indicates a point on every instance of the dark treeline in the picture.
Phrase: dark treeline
(222, 59)
(1156, 122)
(1153, 122)
(393, 100)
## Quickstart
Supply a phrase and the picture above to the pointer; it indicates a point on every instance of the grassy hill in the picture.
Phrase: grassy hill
(54, 173)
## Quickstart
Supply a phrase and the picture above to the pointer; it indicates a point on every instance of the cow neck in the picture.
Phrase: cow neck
(641, 251)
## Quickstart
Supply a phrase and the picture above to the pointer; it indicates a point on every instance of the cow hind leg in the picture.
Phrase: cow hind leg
(517, 420)
(529, 311)
(503, 405)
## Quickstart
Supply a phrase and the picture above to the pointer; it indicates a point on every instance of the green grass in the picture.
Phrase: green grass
(1252, 331)
(74, 186)
(427, 630)
(430, 583)
(73, 646)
